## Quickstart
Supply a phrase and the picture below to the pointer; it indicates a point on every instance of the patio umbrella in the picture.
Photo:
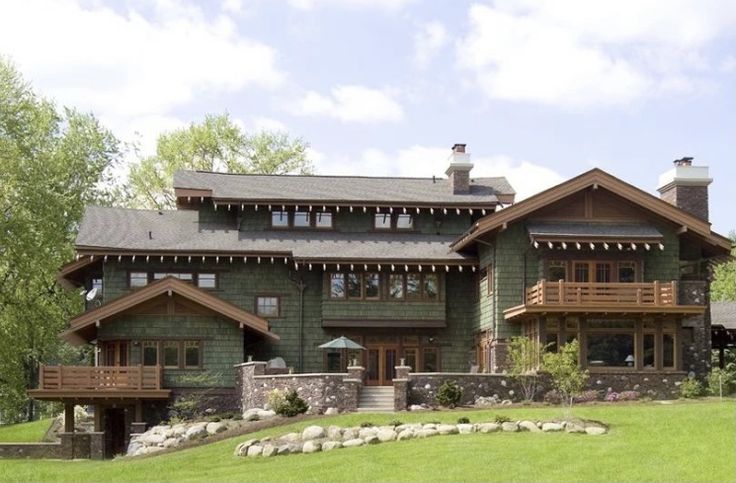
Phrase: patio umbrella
(344, 344)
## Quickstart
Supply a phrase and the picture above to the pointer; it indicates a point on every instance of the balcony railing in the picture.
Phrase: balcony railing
(654, 294)
(100, 378)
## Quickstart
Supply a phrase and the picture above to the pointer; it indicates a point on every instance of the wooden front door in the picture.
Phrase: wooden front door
(115, 433)
(114, 353)
(381, 363)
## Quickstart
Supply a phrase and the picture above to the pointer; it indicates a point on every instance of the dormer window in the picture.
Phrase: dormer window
(302, 219)
(404, 222)
(382, 221)
(323, 219)
(280, 219)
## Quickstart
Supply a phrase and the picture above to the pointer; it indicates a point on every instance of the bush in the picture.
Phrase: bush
(524, 357)
(449, 394)
(552, 397)
(366, 424)
(586, 396)
(567, 377)
(622, 396)
(463, 420)
(288, 405)
(500, 419)
(721, 379)
(395, 422)
(691, 388)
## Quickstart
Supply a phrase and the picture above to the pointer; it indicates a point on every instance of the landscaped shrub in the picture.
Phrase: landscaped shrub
(366, 424)
(463, 420)
(691, 388)
(622, 396)
(586, 396)
(552, 397)
(524, 356)
(449, 394)
(721, 381)
(500, 419)
(567, 377)
(290, 406)
(395, 422)
(276, 399)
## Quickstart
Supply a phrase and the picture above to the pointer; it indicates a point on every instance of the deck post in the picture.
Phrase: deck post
(98, 418)
(68, 417)
(561, 290)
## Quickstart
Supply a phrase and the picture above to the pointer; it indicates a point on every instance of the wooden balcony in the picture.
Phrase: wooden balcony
(562, 297)
(86, 382)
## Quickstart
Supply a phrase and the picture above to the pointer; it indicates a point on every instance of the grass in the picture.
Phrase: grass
(684, 441)
(32, 432)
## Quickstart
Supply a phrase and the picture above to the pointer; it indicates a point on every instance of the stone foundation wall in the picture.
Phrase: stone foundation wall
(70, 446)
(30, 450)
(696, 353)
(320, 390)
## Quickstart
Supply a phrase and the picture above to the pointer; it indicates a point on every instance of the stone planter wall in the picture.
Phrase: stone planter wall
(70, 446)
(320, 390)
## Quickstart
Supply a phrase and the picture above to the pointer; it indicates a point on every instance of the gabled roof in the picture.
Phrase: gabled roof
(336, 190)
(595, 178)
(122, 230)
(167, 285)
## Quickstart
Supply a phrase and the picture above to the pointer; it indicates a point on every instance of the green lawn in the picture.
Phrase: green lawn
(25, 432)
(684, 441)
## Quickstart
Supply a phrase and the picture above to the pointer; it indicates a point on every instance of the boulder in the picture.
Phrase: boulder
(384, 435)
(331, 411)
(255, 450)
(214, 428)
(313, 432)
(351, 443)
(334, 432)
(551, 427)
(242, 448)
(265, 413)
(429, 426)
(365, 432)
(418, 407)
(405, 434)
(371, 439)
(291, 437)
(152, 439)
(268, 451)
(447, 429)
(251, 415)
(510, 427)
(488, 427)
(574, 428)
(179, 429)
(330, 445)
(133, 448)
(311, 446)
(149, 450)
(506, 402)
(595, 430)
(464, 428)
(172, 443)
(283, 449)
(349, 433)
(426, 433)
(196, 431)
(529, 426)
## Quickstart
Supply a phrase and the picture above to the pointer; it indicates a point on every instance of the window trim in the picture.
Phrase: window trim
(489, 280)
(570, 265)
(199, 354)
(288, 225)
(171, 343)
(268, 296)
(344, 285)
(217, 280)
(393, 224)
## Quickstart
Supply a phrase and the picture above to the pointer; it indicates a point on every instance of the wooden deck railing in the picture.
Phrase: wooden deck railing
(654, 294)
(103, 378)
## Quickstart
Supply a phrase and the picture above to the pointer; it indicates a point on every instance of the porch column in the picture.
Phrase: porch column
(98, 417)
(68, 417)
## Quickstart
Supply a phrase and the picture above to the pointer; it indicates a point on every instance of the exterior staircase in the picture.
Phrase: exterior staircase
(376, 398)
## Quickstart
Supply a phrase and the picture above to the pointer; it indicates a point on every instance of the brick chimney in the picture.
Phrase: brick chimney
(686, 186)
(459, 170)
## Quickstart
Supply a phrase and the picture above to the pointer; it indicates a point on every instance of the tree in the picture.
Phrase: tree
(217, 144)
(566, 375)
(524, 357)
(52, 163)
(723, 287)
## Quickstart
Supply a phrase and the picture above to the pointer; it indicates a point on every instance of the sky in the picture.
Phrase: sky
(539, 90)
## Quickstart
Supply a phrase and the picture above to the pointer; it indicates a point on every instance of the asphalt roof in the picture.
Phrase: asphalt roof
(594, 230)
(124, 229)
(357, 189)
(723, 313)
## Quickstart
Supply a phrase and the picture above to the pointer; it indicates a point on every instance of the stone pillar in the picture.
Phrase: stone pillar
(246, 374)
(67, 445)
(68, 417)
(97, 445)
(402, 372)
(98, 417)
(356, 372)
(401, 385)
(354, 384)
(81, 444)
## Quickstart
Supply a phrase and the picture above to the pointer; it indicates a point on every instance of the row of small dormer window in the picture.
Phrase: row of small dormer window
(324, 220)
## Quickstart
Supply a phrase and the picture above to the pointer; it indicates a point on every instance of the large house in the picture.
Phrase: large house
(439, 272)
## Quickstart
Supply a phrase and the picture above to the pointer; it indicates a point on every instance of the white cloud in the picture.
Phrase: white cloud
(391, 5)
(128, 66)
(577, 53)
(268, 124)
(526, 178)
(233, 6)
(429, 39)
(351, 103)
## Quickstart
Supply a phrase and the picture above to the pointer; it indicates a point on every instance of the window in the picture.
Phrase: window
(431, 359)
(191, 354)
(551, 342)
(187, 277)
(556, 271)
(648, 355)
(610, 350)
(138, 279)
(323, 219)
(382, 221)
(413, 286)
(668, 351)
(404, 222)
(337, 286)
(150, 353)
(602, 272)
(581, 272)
(171, 354)
(267, 306)
(372, 285)
(207, 280)
(627, 272)
(396, 286)
(355, 287)
(489, 277)
(334, 361)
(279, 219)
(410, 358)
(302, 219)
(431, 285)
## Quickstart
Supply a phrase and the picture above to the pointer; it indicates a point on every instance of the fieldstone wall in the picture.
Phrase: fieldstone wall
(30, 450)
(70, 446)
(320, 390)
(696, 353)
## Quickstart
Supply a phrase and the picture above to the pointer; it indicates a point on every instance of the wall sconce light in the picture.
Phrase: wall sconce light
(629, 360)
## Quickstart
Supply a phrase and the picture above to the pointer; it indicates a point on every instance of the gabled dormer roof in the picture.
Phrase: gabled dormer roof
(304, 190)
(596, 178)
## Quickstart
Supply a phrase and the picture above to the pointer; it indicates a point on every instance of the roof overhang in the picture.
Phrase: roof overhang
(522, 312)
(385, 323)
(83, 327)
(71, 274)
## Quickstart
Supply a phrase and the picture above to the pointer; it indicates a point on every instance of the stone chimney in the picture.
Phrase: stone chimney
(459, 170)
(686, 186)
